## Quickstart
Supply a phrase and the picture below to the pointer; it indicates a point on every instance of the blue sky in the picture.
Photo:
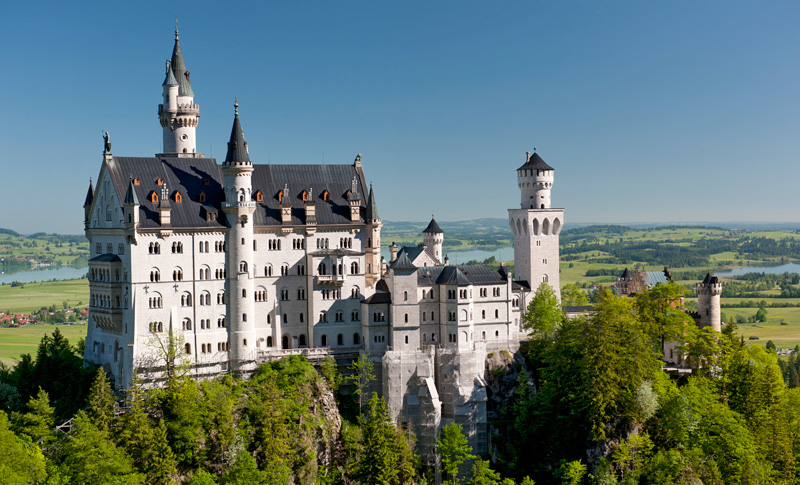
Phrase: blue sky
(649, 111)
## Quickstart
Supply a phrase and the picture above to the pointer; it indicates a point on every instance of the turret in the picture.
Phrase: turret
(433, 237)
(178, 114)
(535, 179)
(375, 265)
(130, 207)
(239, 208)
(708, 302)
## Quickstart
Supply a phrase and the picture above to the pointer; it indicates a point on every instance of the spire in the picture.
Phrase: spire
(237, 147)
(179, 68)
(130, 195)
(169, 80)
(372, 207)
(89, 195)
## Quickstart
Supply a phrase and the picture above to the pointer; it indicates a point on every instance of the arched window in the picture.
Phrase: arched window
(302, 340)
(324, 340)
(268, 270)
(242, 267)
(405, 296)
(405, 318)
(340, 339)
(354, 267)
(188, 348)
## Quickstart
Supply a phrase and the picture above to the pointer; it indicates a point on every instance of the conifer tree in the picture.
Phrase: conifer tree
(101, 401)
(38, 423)
(379, 458)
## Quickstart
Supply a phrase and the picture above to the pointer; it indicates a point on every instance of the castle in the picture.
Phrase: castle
(245, 262)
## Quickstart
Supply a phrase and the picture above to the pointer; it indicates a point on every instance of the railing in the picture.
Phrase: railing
(243, 203)
(329, 278)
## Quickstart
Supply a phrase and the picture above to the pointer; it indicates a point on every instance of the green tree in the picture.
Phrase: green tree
(761, 314)
(379, 458)
(657, 309)
(572, 295)
(101, 401)
(453, 449)
(482, 474)
(571, 472)
(23, 461)
(39, 421)
(543, 315)
(362, 375)
(90, 456)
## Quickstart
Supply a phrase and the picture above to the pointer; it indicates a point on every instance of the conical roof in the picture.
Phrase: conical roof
(89, 196)
(179, 69)
(169, 80)
(130, 195)
(535, 162)
(433, 228)
(626, 274)
(372, 207)
(237, 147)
(707, 279)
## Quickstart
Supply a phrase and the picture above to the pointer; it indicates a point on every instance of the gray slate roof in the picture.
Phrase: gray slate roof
(187, 175)
(403, 263)
(105, 258)
(459, 275)
(535, 162)
(179, 69)
(413, 252)
(372, 207)
(130, 195)
(89, 196)
(237, 147)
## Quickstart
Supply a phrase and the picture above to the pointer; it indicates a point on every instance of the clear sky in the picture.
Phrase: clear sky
(649, 111)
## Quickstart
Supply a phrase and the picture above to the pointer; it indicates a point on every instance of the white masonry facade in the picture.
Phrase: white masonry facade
(243, 262)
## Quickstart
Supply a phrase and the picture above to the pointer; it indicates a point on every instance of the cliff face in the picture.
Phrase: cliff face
(504, 373)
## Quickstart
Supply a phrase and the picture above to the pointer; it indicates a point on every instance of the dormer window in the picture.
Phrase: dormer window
(347, 195)
(160, 181)
(259, 196)
(178, 197)
(136, 181)
(206, 182)
(153, 197)
(202, 197)
(304, 196)
(280, 196)
(326, 195)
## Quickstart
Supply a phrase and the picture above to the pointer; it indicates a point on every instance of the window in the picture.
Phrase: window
(242, 267)
(405, 296)
(354, 316)
(339, 316)
(268, 270)
(202, 198)
(285, 294)
(155, 275)
(259, 196)
(324, 340)
(483, 314)
(153, 197)
(221, 298)
(186, 324)
(186, 299)
(323, 317)
(177, 275)
(284, 269)
(260, 294)
(326, 195)
(221, 322)
(244, 317)
(356, 339)
(497, 314)
(301, 293)
(354, 267)
(405, 318)
(178, 199)
(406, 339)
(98, 248)
(120, 249)
(355, 292)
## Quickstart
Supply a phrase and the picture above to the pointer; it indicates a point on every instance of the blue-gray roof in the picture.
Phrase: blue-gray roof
(193, 176)
(179, 69)
(535, 162)
(459, 275)
(403, 263)
(433, 228)
(655, 277)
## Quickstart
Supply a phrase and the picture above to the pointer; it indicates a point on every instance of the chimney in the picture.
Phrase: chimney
(393, 252)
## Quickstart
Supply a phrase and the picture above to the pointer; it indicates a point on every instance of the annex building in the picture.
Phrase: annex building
(244, 262)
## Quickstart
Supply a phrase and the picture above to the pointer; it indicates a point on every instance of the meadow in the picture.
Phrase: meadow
(16, 341)
(31, 297)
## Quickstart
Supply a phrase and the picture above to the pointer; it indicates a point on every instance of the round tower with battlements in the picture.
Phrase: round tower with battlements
(536, 226)
(178, 114)
(433, 238)
(708, 302)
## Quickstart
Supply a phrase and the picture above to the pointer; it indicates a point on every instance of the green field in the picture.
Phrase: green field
(25, 340)
(33, 296)
(43, 248)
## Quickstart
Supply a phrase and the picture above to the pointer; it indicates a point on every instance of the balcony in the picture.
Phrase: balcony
(336, 280)
(235, 205)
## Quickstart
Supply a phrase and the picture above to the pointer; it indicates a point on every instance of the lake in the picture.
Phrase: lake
(783, 268)
(44, 274)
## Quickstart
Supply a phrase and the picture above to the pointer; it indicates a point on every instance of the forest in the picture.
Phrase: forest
(592, 404)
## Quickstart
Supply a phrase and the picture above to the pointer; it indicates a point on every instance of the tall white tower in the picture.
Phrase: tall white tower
(239, 208)
(708, 302)
(178, 113)
(433, 237)
(536, 226)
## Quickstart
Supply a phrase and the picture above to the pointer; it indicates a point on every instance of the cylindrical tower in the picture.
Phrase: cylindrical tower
(535, 179)
(178, 114)
(708, 302)
(239, 208)
(433, 237)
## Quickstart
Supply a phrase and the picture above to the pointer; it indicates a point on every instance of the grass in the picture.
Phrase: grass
(33, 296)
(25, 340)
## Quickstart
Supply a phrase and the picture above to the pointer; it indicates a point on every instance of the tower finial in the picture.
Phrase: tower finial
(176, 27)
(236, 105)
